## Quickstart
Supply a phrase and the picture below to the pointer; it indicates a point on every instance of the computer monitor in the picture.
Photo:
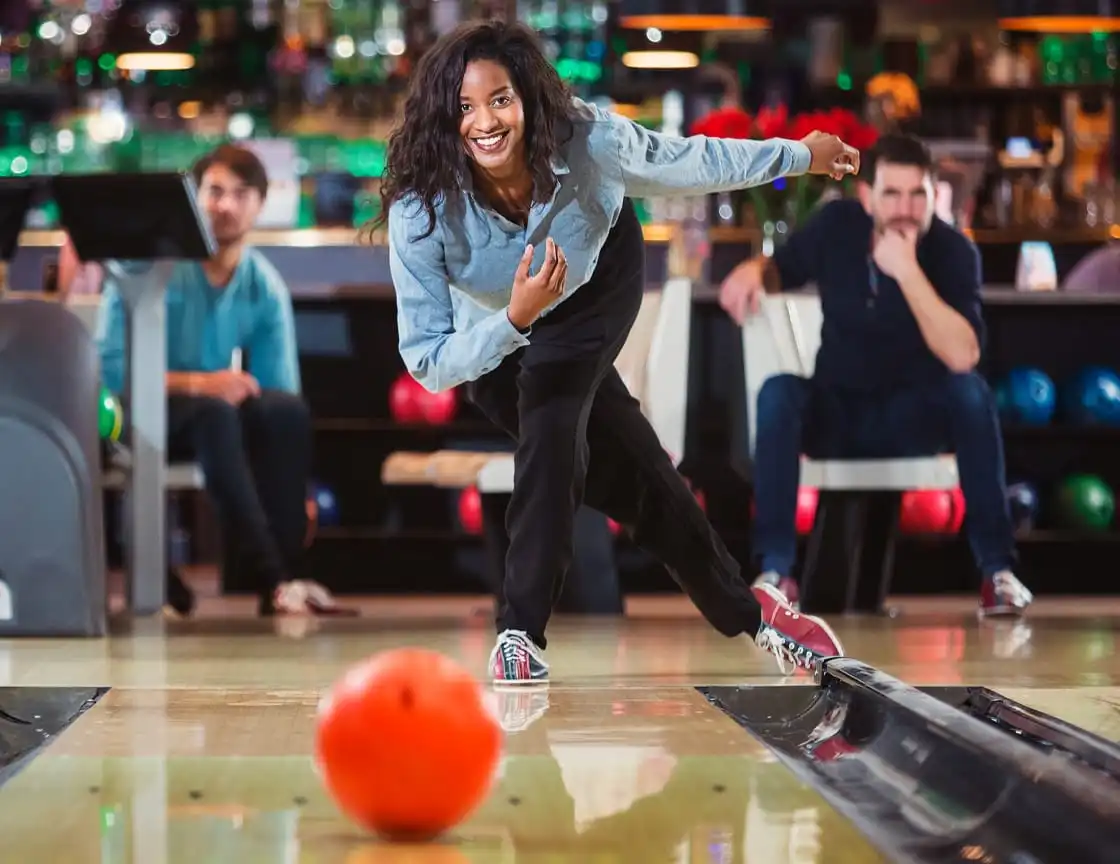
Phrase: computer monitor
(133, 217)
(16, 197)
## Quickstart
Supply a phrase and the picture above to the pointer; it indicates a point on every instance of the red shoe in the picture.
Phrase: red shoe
(826, 743)
(786, 587)
(1003, 596)
(797, 640)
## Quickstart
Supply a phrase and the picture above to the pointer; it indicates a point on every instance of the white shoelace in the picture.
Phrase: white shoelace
(770, 640)
(787, 652)
(511, 642)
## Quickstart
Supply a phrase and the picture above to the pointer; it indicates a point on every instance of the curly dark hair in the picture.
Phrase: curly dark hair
(426, 156)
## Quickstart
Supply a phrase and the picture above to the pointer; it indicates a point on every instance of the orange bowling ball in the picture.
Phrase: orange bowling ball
(405, 744)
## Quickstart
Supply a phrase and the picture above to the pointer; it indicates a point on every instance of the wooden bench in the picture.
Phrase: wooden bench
(849, 561)
(654, 365)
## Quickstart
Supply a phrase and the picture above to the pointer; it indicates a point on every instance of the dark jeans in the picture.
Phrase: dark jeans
(958, 415)
(582, 438)
(257, 462)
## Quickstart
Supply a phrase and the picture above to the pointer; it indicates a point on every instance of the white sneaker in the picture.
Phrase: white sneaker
(516, 659)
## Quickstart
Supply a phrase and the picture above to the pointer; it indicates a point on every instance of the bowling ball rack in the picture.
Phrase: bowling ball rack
(927, 774)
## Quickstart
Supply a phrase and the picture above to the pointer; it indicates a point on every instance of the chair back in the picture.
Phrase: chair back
(782, 339)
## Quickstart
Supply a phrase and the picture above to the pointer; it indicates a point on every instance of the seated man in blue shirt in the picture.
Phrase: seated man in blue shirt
(250, 431)
(902, 334)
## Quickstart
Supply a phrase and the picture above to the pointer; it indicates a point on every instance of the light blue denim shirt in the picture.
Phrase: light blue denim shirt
(453, 287)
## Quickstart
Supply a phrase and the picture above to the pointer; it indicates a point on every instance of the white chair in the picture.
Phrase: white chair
(857, 514)
(654, 365)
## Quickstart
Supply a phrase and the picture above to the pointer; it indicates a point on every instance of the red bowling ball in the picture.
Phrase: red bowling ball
(405, 397)
(931, 511)
(438, 408)
(470, 510)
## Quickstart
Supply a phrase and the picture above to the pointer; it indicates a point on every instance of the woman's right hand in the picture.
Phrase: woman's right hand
(533, 294)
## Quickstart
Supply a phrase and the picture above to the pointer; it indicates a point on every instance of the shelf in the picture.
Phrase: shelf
(383, 534)
(1061, 430)
(1065, 535)
(982, 236)
(955, 92)
(1010, 297)
(1042, 535)
(305, 238)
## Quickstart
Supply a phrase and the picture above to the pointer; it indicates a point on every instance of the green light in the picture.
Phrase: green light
(844, 81)
(106, 62)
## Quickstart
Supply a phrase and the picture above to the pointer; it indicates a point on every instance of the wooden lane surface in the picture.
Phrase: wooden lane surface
(640, 775)
(201, 750)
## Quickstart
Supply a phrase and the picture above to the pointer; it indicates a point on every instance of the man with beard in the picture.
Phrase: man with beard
(248, 428)
(895, 376)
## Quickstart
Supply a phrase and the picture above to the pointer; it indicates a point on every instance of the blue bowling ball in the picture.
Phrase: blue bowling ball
(1022, 501)
(1027, 397)
(1092, 398)
(327, 504)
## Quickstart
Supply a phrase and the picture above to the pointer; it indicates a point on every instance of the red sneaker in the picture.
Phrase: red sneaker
(1004, 596)
(797, 640)
(786, 586)
(826, 743)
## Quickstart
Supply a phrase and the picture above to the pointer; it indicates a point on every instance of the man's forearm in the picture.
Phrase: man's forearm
(947, 333)
(183, 383)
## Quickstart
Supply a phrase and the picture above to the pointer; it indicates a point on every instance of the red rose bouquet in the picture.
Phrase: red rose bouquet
(790, 199)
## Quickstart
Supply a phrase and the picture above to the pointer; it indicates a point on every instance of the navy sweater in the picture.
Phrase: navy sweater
(870, 340)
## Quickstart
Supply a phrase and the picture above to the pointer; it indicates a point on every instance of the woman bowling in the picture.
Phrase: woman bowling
(517, 260)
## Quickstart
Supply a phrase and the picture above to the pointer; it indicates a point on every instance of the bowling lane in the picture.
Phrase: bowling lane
(593, 775)
(1094, 709)
(1055, 647)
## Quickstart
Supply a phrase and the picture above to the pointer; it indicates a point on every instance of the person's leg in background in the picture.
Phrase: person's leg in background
(209, 431)
(179, 596)
(959, 415)
(278, 439)
(794, 416)
(591, 584)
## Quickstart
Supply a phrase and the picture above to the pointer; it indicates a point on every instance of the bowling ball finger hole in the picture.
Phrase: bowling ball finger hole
(719, 788)
(514, 801)
(408, 698)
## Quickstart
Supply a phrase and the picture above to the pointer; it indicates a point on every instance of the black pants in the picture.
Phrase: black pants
(257, 462)
(581, 437)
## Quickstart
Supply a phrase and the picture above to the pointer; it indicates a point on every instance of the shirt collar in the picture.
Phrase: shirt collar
(558, 165)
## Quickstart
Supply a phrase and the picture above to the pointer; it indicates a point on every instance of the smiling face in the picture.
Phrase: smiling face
(493, 120)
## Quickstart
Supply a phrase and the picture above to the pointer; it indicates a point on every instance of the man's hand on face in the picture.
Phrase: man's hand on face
(896, 251)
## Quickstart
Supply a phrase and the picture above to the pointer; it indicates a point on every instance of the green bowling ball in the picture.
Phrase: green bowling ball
(1085, 503)
(110, 416)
